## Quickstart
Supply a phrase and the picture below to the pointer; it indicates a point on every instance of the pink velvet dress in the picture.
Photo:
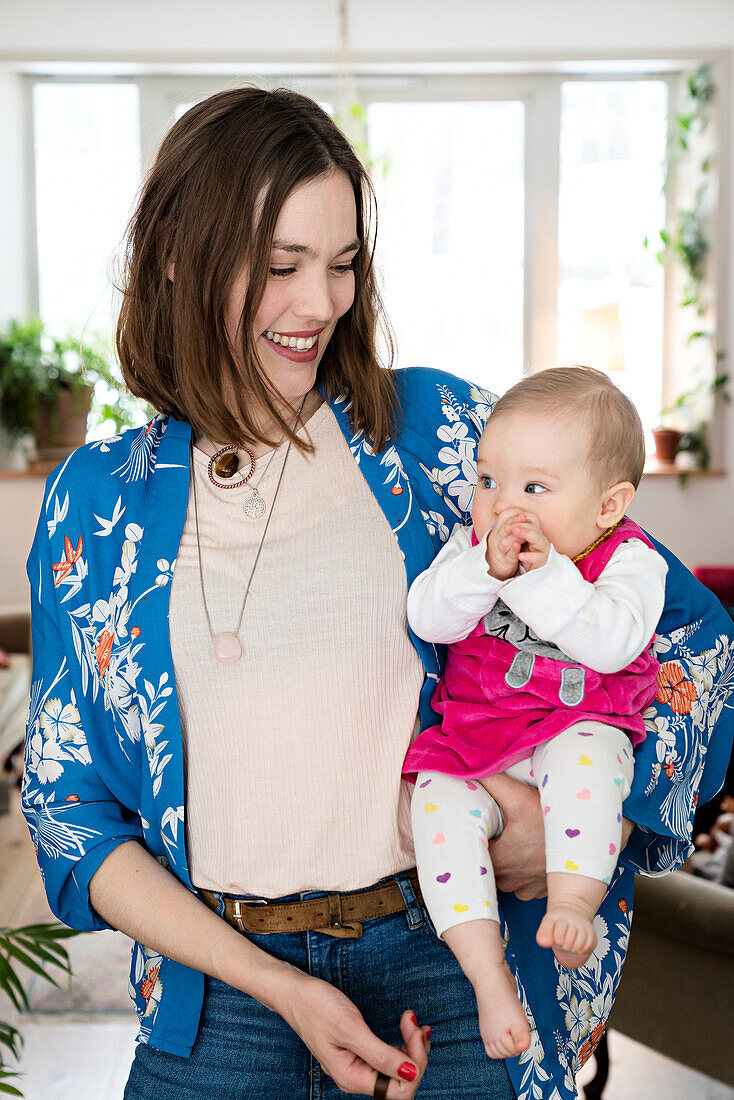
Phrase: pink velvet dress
(498, 700)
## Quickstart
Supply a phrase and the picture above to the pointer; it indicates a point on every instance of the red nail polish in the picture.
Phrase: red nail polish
(407, 1071)
(428, 1034)
(414, 1018)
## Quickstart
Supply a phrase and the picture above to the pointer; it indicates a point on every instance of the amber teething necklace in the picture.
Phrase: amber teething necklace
(226, 644)
(597, 542)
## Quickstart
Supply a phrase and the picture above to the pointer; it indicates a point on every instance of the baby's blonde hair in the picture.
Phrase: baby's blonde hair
(616, 436)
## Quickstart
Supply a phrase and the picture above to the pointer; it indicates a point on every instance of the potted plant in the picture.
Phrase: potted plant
(681, 427)
(667, 442)
(47, 385)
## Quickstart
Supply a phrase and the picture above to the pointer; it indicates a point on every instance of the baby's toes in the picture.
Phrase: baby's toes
(520, 1035)
(563, 934)
(545, 933)
(574, 939)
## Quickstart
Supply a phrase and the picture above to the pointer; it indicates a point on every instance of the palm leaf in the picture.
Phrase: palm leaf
(8, 1088)
(11, 984)
(35, 946)
(11, 949)
(43, 931)
(11, 1038)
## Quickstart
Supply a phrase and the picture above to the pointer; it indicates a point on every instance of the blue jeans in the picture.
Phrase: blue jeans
(245, 1052)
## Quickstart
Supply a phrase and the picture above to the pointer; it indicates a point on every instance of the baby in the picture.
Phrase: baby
(548, 606)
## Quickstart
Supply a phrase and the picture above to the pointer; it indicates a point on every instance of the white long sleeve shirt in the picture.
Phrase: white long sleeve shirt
(604, 625)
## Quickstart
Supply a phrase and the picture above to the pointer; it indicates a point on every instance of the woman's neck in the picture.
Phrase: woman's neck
(313, 401)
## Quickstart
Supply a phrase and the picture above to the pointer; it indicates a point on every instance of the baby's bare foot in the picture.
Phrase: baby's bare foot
(502, 1021)
(569, 932)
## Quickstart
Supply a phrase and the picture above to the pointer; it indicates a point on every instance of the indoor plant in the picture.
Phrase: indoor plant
(41, 380)
(683, 424)
(37, 947)
(47, 386)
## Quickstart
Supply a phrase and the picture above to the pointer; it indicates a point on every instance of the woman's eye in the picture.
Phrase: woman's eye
(535, 487)
(342, 269)
(489, 483)
(282, 270)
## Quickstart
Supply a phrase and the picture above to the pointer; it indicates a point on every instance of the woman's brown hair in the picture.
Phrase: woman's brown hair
(208, 207)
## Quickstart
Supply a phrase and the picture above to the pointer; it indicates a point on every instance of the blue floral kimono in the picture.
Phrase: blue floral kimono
(104, 761)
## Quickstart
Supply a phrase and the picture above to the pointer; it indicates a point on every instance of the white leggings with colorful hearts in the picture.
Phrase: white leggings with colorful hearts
(583, 774)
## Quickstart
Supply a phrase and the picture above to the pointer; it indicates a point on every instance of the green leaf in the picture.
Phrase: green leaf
(27, 960)
(5, 1075)
(44, 931)
(54, 955)
(10, 984)
(11, 1038)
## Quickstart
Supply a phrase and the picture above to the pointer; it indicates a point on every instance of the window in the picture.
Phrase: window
(451, 233)
(610, 202)
(513, 211)
(87, 160)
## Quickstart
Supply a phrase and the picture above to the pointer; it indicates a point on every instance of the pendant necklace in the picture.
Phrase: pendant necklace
(226, 644)
(225, 464)
(254, 506)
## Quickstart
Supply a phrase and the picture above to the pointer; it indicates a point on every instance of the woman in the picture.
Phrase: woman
(268, 779)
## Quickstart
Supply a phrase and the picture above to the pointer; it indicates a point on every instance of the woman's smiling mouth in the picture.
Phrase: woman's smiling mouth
(299, 347)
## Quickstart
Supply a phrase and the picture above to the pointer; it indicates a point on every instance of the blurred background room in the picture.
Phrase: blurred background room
(554, 186)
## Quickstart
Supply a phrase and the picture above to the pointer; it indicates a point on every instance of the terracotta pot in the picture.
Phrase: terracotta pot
(62, 425)
(667, 441)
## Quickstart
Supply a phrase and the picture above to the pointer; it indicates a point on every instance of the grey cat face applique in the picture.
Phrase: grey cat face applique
(500, 622)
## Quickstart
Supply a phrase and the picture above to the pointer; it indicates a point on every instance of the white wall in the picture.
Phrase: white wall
(697, 521)
(181, 29)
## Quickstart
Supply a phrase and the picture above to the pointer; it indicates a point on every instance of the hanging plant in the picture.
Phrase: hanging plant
(685, 242)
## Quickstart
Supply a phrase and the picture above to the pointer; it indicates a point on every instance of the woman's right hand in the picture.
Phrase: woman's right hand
(131, 891)
(335, 1032)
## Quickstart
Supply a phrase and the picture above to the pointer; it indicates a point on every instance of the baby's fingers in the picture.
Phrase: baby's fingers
(532, 536)
(510, 545)
(533, 558)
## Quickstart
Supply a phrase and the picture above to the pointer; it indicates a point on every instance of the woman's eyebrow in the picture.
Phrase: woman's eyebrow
(305, 250)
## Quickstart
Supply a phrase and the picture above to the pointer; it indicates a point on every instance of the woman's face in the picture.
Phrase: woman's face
(310, 284)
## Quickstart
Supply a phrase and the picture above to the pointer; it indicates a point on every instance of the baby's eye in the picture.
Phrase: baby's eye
(535, 487)
(489, 483)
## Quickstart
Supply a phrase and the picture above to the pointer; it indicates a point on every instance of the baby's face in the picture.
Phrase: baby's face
(536, 464)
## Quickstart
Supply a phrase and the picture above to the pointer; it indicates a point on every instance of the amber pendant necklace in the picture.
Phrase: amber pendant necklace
(225, 464)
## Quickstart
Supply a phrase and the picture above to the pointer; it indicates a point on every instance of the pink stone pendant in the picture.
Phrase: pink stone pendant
(227, 647)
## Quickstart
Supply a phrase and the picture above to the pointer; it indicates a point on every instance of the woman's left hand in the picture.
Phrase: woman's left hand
(518, 853)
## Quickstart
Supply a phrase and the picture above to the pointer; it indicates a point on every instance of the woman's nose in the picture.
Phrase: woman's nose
(315, 302)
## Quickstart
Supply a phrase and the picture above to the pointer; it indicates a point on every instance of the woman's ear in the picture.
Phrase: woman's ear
(615, 503)
(171, 270)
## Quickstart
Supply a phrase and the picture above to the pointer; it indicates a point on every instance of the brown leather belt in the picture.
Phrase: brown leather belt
(334, 914)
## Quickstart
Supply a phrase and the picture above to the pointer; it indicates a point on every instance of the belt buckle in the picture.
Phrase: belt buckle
(344, 930)
(237, 910)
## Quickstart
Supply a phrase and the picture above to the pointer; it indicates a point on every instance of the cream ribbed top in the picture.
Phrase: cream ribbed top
(293, 754)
